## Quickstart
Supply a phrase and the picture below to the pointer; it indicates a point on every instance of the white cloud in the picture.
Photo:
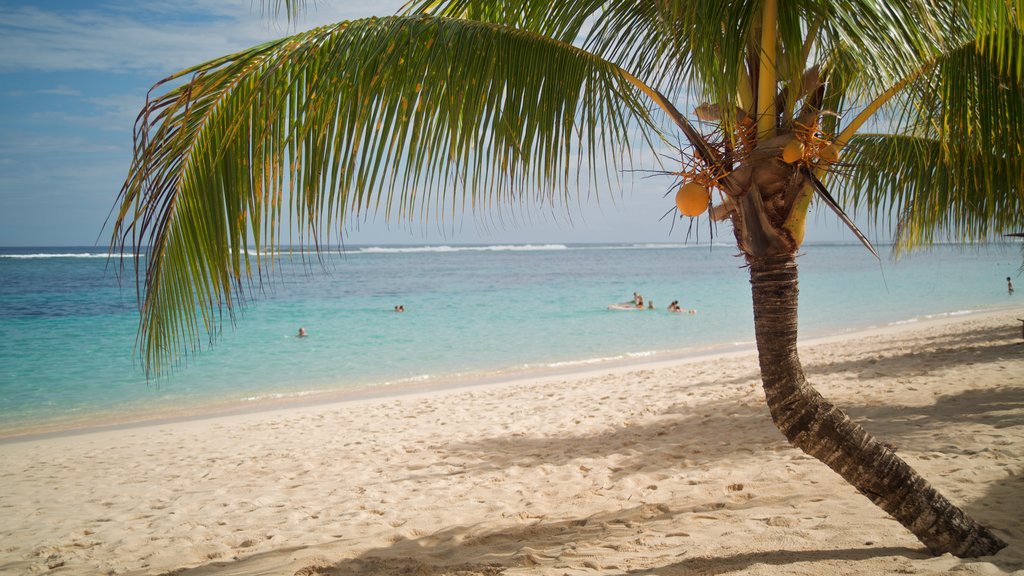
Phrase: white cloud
(61, 90)
(56, 91)
(147, 37)
(37, 145)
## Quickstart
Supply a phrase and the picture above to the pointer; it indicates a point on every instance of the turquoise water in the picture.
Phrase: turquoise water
(68, 328)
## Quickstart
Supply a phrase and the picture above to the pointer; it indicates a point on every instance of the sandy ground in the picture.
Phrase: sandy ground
(662, 469)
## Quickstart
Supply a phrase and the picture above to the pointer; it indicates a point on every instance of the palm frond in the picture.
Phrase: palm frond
(953, 166)
(913, 186)
(991, 22)
(562, 21)
(826, 197)
(634, 35)
(289, 8)
(407, 117)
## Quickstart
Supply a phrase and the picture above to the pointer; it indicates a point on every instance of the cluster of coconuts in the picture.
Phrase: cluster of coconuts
(693, 198)
(794, 151)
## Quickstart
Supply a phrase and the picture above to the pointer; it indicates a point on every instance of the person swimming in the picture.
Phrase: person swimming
(675, 307)
(302, 332)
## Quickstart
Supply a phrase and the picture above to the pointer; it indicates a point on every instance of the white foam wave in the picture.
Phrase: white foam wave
(940, 315)
(583, 362)
(457, 248)
(59, 255)
(279, 395)
(410, 380)
(902, 322)
(679, 246)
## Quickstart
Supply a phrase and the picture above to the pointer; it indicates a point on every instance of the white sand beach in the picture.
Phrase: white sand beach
(664, 469)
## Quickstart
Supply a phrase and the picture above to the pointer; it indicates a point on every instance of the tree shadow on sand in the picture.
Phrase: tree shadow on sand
(996, 407)
(932, 353)
(669, 444)
(702, 433)
(706, 433)
(729, 564)
(543, 545)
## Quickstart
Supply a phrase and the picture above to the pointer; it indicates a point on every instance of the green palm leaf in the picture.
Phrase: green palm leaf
(953, 168)
(407, 117)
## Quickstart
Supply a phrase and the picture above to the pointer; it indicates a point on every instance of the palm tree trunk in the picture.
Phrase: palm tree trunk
(821, 430)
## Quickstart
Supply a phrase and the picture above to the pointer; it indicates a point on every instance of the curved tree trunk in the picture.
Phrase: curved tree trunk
(821, 430)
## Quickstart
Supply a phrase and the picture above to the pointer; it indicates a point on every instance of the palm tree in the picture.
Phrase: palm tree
(912, 110)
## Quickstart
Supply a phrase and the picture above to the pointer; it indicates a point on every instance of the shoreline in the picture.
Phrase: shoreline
(102, 421)
(366, 393)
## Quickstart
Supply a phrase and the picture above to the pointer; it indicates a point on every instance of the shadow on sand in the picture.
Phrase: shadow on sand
(546, 545)
(465, 551)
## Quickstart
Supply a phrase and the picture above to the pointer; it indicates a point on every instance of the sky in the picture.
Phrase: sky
(74, 74)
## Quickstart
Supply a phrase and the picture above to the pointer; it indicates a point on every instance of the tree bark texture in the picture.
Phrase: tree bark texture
(821, 430)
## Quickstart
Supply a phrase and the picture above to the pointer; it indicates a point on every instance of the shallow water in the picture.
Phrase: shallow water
(68, 328)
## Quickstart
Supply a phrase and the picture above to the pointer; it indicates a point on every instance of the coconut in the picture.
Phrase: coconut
(793, 151)
(692, 199)
(829, 153)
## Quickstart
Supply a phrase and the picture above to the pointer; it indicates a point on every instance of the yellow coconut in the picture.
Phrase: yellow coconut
(692, 199)
(793, 151)
(829, 153)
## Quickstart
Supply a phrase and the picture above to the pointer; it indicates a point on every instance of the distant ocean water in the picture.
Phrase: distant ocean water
(67, 328)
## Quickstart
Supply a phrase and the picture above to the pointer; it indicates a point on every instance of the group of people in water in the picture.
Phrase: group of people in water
(302, 331)
(638, 302)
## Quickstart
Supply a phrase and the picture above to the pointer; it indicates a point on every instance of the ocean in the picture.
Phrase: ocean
(68, 326)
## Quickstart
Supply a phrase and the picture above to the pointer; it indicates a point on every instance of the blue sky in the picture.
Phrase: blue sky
(74, 74)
